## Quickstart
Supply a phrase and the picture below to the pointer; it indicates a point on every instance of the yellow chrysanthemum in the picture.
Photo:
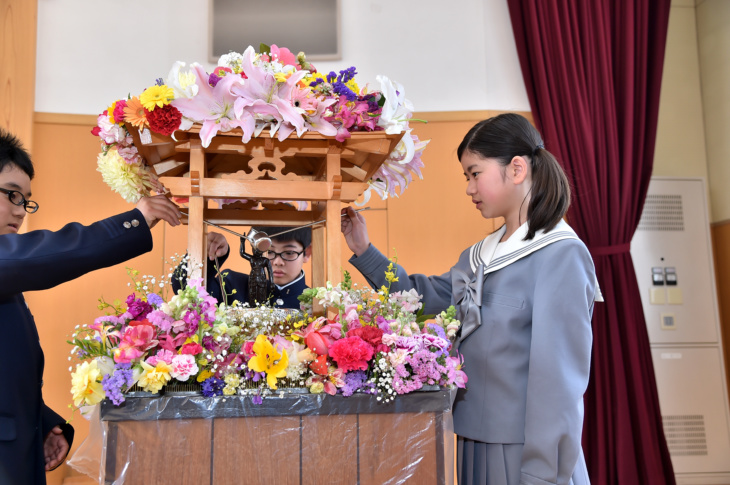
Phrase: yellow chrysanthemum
(131, 180)
(153, 378)
(156, 96)
(110, 113)
(85, 384)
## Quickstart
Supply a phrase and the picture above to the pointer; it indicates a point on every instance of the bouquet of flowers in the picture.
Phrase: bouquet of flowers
(371, 341)
(272, 89)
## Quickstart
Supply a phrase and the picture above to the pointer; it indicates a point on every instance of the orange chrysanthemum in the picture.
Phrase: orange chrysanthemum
(134, 113)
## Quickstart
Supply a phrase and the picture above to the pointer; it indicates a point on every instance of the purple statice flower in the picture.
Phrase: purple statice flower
(354, 380)
(114, 382)
(316, 82)
(137, 308)
(347, 74)
(341, 89)
(154, 299)
(213, 386)
(331, 77)
(159, 81)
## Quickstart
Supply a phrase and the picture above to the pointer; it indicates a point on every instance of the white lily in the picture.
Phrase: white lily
(182, 81)
(397, 109)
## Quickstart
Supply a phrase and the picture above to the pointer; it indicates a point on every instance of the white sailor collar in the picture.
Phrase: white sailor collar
(492, 255)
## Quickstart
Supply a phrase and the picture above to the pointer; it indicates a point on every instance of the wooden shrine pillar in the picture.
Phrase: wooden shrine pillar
(196, 207)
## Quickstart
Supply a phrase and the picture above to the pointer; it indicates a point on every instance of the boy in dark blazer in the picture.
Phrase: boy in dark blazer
(33, 438)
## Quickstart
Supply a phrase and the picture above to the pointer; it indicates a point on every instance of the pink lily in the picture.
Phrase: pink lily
(214, 106)
(262, 88)
(135, 341)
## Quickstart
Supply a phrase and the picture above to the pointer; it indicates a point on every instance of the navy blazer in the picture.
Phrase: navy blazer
(39, 260)
(236, 286)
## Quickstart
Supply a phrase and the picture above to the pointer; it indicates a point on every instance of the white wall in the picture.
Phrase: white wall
(450, 56)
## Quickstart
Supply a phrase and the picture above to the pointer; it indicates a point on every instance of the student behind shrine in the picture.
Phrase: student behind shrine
(525, 298)
(287, 254)
(33, 438)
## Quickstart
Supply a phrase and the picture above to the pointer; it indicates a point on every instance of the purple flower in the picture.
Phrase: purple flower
(114, 382)
(213, 79)
(154, 299)
(137, 308)
(257, 399)
(347, 74)
(353, 381)
(213, 386)
(341, 89)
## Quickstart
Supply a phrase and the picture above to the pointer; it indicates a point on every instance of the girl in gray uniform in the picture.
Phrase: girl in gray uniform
(525, 298)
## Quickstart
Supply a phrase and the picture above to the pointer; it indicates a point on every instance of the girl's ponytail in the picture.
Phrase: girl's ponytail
(549, 195)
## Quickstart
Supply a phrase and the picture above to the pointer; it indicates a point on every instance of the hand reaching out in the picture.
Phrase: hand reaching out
(217, 245)
(157, 208)
(355, 230)
(55, 448)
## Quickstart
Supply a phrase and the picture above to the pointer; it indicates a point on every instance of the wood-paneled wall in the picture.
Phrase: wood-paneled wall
(17, 67)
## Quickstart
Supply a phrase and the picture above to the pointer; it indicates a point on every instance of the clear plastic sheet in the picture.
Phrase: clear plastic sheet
(289, 439)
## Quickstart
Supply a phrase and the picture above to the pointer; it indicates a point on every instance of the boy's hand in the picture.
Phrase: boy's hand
(157, 208)
(355, 230)
(55, 448)
(217, 245)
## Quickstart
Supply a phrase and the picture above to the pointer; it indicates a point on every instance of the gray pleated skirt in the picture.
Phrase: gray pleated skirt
(480, 463)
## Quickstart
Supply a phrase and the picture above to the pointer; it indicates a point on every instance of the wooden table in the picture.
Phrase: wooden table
(294, 439)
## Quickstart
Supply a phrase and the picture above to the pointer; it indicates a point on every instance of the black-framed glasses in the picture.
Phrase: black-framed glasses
(285, 255)
(16, 198)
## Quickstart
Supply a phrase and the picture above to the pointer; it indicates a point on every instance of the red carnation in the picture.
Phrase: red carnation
(351, 353)
(370, 334)
(164, 120)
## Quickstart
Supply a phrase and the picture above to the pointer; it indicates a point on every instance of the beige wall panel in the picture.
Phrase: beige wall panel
(680, 144)
(17, 67)
(713, 18)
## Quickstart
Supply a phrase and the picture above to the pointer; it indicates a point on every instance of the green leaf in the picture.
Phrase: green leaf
(264, 49)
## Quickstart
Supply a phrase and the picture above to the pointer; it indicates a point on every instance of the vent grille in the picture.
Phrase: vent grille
(662, 213)
(685, 434)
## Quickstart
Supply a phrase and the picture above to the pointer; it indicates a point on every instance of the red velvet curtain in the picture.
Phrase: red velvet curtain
(593, 73)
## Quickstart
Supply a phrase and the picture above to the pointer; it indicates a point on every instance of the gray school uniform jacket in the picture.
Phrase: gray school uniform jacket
(526, 340)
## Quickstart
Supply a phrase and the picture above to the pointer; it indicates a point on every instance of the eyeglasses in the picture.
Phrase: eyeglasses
(16, 198)
(285, 255)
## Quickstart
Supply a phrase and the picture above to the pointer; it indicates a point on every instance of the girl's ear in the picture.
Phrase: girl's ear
(518, 169)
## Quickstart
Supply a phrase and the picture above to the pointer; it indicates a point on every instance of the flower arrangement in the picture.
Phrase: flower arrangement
(371, 342)
(272, 89)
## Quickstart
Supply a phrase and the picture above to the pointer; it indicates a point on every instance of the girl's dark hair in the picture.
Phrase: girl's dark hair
(510, 135)
(13, 153)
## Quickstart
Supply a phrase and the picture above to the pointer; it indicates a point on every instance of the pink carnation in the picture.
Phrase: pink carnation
(183, 366)
(351, 353)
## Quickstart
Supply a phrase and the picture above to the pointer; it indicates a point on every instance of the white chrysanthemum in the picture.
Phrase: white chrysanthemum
(131, 180)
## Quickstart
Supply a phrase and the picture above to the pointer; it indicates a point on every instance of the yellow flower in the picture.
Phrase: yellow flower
(204, 375)
(232, 380)
(280, 77)
(265, 360)
(85, 385)
(130, 180)
(153, 378)
(229, 391)
(156, 96)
